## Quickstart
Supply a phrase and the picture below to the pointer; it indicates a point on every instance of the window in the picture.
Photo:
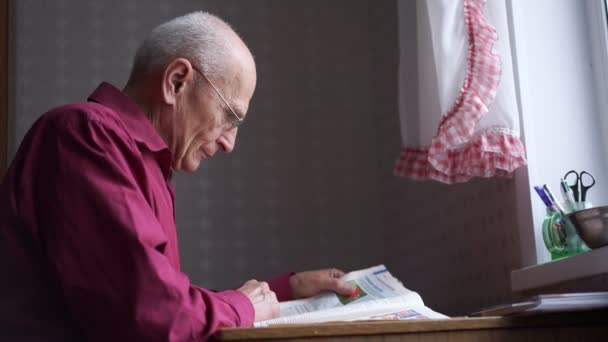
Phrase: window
(561, 63)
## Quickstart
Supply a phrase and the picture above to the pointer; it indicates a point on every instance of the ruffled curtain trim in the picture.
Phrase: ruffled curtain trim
(492, 154)
(454, 156)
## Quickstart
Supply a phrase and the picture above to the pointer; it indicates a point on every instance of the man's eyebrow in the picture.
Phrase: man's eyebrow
(234, 107)
(238, 110)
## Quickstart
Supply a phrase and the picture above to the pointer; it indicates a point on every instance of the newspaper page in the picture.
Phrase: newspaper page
(421, 312)
(377, 295)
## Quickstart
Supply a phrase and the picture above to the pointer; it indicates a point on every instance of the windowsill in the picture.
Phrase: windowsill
(575, 267)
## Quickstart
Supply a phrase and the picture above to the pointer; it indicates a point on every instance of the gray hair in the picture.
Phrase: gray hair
(200, 37)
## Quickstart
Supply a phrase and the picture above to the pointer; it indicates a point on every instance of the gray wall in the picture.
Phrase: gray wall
(309, 184)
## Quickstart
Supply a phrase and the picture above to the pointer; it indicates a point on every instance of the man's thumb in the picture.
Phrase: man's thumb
(344, 288)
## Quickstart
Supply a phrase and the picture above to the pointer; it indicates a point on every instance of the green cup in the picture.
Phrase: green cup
(560, 237)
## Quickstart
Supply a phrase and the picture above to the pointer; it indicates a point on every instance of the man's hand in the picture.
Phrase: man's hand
(310, 283)
(264, 301)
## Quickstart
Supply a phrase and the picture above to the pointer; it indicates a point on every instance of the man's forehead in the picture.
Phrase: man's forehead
(241, 91)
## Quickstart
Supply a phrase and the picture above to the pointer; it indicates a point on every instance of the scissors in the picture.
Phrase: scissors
(579, 187)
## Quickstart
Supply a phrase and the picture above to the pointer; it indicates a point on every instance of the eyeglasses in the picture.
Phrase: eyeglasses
(236, 119)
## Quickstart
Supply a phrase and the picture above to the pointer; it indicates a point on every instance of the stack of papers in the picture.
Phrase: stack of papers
(565, 302)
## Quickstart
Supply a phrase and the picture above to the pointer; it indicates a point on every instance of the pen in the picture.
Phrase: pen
(567, 192)
(555, 203)
(547, 200)
(559, 224)
(543, 197)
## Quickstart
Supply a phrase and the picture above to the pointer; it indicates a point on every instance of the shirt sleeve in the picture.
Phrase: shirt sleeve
(281, 286)
(105, 246)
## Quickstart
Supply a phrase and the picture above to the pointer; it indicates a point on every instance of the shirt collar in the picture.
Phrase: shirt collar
(134, 119)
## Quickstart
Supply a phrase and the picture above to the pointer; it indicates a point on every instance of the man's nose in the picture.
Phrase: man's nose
(227, 140)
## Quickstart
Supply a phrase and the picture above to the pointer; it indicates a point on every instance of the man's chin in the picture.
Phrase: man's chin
(191, 167)
(188, 165)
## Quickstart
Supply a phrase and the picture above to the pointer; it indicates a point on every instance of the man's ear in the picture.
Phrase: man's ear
(177, 75)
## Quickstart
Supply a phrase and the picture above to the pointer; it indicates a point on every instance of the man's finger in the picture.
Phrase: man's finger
(345, 288)
(341, 287)
(336, 273)
(272, 296)
(264, 286)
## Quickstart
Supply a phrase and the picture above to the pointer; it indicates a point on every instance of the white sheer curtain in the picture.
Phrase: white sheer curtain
(466, 119)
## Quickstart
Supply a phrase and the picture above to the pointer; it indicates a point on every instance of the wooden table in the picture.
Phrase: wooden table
(581, 326)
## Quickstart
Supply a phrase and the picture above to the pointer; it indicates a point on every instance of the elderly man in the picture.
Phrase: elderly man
(88, 243)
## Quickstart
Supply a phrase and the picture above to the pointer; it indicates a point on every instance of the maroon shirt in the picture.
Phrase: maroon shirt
(88, 245)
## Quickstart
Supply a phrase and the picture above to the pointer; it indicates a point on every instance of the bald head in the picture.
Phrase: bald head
(192, 76)
(202, 38)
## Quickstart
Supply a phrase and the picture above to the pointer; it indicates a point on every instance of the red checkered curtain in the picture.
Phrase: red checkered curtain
(464, 122)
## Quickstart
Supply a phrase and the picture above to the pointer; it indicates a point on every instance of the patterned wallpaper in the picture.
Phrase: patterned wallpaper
(309, 184)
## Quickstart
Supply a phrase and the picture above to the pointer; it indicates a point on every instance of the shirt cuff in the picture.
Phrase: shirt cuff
(281, 286)
(242, 306)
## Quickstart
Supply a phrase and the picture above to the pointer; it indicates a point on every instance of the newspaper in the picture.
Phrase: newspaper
(378, 295)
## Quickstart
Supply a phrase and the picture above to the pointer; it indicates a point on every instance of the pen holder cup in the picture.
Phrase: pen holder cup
(560, 236)
(571, 207)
